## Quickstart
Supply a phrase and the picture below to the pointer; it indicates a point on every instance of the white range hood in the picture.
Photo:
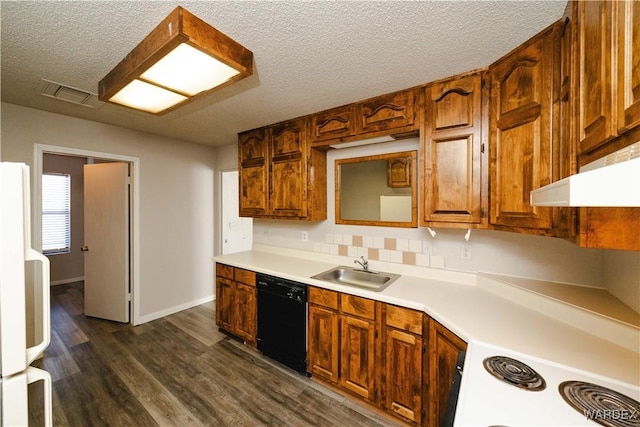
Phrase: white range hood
(611, 181)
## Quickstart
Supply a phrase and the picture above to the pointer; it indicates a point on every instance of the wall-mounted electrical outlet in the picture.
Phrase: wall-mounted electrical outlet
(465, 252)
(305, 236)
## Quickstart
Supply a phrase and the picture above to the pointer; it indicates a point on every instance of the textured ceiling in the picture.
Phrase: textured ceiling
(308, 55)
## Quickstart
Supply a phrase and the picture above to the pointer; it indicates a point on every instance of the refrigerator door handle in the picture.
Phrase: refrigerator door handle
(32, 255)
(35, 374)
(35, 351)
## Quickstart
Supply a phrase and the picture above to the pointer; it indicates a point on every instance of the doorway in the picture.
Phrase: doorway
(134, 236)
(237, 232)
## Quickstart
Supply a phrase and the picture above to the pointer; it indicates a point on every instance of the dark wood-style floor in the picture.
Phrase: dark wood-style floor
(175, 371)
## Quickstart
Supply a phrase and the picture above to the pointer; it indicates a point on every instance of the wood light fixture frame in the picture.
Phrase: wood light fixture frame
(180, 26)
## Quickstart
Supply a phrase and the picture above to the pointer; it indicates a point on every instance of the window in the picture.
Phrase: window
(56, 214)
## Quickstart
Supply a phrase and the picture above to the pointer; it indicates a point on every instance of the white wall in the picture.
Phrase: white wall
(622, 276)
(176, 199)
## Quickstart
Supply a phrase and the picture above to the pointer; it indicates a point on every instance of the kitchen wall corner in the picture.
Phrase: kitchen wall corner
(622, 276)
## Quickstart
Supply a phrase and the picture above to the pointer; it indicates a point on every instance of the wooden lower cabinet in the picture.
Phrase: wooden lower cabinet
(444, 347)
(245, 312)
(403, 372)
(395, 358)
(236, 302)
(341, 339)
(357, 361)
(323, 344)
(225, 298)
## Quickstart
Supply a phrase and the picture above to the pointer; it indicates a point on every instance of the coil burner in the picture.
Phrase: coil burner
(514, 372)
(600, 404)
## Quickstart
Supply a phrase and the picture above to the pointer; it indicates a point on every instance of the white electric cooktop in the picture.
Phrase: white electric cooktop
(485, 400)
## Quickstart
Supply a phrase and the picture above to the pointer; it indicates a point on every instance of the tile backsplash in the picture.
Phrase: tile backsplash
(377, 248)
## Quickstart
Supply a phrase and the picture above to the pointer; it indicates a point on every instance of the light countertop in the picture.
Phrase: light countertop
(485, 308)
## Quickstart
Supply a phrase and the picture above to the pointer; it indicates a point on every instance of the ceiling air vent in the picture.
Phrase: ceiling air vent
(68, 94)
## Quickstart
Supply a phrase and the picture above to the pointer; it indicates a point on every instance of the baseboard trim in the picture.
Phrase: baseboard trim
(65, 281)
(171, 310)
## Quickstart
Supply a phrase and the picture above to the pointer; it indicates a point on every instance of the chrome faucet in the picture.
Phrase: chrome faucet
(364, 263)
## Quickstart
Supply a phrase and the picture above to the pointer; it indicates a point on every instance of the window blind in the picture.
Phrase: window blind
(56, 213)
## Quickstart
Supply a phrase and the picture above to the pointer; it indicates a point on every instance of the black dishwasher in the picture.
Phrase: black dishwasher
(282, 321)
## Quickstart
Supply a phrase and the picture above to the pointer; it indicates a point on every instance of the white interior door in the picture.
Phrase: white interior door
(237, 232)
(106, 234)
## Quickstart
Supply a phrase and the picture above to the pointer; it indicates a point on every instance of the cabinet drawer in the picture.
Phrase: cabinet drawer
(323, 297)
(358, 306)
(404, 319)
(224, 271)
(246, 277)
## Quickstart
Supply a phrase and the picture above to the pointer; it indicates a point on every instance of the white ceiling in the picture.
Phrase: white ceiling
(308, 55)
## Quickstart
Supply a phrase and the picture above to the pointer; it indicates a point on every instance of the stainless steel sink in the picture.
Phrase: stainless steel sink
(374, 281)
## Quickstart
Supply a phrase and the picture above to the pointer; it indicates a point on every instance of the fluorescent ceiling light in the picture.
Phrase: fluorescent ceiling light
(188, 70)
(181, 59)
(147, 97)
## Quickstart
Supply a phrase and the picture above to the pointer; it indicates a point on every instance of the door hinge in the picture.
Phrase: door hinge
(482, 213)
(482, 148)
(128, 296)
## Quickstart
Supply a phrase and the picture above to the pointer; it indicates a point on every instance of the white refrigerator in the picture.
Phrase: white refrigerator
(16, 256)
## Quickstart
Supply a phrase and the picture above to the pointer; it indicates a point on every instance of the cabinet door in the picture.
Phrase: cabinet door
(444, 347)
(387, 112)
(323, 343)
(245, 312)
(332, 125)
(357, 358)
(597, 124)
(399, 172)
(225, 296)
(520, 133)
(289, 169)
(254, 172)
(404, 375)
(453, 155)
(628, 25)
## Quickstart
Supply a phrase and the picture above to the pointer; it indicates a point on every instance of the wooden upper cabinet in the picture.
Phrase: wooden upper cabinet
(628, 26)
(253, 163)
(334, 124)
(454, 175)
(597, 123)
(289, 169)
(281, 176)
(520, 133)
(391, 112)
